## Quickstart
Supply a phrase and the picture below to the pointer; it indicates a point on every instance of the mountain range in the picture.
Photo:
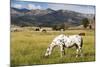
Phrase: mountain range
(47, 17)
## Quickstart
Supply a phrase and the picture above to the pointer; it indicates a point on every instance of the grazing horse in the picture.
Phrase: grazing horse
(65, 42)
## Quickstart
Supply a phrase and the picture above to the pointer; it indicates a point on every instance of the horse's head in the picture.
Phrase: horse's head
(48, 52)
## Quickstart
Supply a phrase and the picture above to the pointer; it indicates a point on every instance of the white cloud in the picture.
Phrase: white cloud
(77, 8)
(32, 6)
(39, 7)
(58, 6)
(84, 2)
(18, 6)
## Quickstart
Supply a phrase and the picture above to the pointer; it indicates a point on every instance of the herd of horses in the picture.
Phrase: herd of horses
(20, 30)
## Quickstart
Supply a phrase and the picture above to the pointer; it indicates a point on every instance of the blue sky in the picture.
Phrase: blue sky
(42, 5)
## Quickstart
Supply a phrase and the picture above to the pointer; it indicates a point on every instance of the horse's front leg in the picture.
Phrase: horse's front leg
(62, 49)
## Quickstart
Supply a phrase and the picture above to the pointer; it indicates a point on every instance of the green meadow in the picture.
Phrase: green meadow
(29, 47)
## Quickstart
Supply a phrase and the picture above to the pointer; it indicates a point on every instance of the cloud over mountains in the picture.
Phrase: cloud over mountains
(41, 5)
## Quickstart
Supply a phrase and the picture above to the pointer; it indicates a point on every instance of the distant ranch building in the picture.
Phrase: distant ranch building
(16, 29)
(43, 30)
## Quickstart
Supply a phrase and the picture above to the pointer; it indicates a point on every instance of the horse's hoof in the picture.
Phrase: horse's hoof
(45, 56)
(77, 56)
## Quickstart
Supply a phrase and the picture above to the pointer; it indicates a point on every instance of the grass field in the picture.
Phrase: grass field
(28, 48)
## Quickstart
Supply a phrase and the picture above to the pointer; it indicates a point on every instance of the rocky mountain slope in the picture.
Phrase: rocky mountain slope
(47, 18)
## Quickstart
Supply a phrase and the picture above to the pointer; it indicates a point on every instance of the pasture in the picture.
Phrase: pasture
(29, 47)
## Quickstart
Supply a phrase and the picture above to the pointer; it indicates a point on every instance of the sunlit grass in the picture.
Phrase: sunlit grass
(28, 48)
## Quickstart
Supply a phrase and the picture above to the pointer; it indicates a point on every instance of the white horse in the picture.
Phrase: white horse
(65, 42)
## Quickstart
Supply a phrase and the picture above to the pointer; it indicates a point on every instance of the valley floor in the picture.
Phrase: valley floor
(28, 48)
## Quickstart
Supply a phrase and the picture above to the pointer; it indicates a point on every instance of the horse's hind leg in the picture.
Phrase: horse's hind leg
(79, 48)
(79, 52)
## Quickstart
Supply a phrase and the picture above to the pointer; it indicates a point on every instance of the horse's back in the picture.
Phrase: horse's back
(59, 37)
(77, 39)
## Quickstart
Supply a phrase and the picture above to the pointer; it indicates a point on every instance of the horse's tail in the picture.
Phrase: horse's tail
(81, 42)
(82, 34)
